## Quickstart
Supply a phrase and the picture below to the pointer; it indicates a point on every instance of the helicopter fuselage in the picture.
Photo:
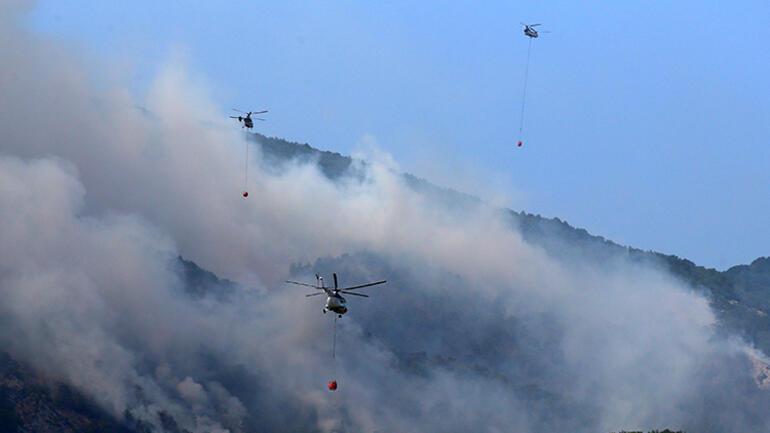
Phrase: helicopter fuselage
(248, 123)
(532, 33)
(335, 303)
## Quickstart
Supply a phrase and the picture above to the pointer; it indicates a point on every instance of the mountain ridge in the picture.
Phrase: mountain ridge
(740, 295)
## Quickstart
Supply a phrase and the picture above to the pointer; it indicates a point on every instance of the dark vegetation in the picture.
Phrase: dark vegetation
(740, 296)
(200, 283)
(31, 403)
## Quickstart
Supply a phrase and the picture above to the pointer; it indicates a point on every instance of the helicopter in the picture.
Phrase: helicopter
(247, 120)
(530, 31)
(334, 301)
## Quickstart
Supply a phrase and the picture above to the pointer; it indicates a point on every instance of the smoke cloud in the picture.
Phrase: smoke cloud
(477, 329)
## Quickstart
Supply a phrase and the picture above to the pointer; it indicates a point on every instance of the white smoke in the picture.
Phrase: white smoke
(98, 199)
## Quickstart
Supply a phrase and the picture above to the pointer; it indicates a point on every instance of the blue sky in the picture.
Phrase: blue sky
(647, 122)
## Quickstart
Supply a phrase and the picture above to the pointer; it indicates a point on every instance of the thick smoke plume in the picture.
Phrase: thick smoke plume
(477, 330)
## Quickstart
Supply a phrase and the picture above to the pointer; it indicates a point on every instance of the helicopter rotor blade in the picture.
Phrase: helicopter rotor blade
(314, 294)
(235, 117)
(235, 109)
(354, 294)
(363, 285)
(534, 25)
(260, 112)
(304, 284)
(259, 118)
(335, 280)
